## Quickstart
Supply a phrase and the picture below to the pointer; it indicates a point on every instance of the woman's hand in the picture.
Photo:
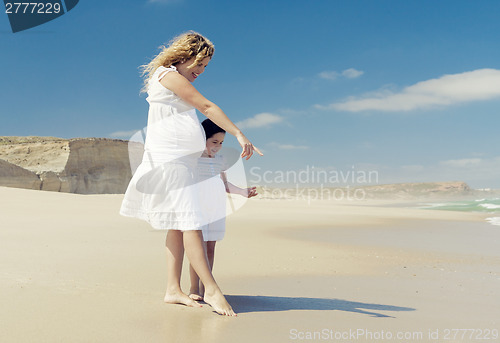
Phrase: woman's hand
(248, 147)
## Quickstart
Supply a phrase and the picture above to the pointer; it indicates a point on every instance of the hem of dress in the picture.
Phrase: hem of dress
(163, 225)
(213, 235)
(210, 239)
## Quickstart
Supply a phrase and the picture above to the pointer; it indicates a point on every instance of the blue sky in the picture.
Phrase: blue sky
(410, 89)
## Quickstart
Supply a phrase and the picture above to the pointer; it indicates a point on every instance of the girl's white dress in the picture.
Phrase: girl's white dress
(164, 190)
(213, 196)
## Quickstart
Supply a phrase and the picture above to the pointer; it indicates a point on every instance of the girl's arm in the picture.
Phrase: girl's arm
(230, 188)
(186, 91)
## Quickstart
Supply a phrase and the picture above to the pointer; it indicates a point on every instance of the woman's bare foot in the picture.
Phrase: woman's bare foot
(180, 298)
(219, 303)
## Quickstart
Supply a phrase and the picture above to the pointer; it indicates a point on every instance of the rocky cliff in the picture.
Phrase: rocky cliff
(15, 176)
(81, 165)
(419, 190)
(401, 191)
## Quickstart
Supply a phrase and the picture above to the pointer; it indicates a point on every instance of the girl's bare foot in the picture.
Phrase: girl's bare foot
(180, 298)
(195, 296)
(219, 303)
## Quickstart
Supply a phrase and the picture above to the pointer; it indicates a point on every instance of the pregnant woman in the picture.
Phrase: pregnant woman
(163, 190)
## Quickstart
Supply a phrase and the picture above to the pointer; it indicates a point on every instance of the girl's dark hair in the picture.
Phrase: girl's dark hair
(211, 128)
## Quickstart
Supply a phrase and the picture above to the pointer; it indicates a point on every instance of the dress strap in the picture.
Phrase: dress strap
(162, 71)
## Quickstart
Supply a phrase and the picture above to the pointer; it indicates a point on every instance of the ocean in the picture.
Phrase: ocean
(481, 205)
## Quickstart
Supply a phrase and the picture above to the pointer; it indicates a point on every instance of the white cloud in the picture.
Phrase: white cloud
(282, 146)
(329, 75)
(292, 112)
(477, 172)
(481, 84)
(466, 162)
(291, 147)
(260, 120)
(350, 73)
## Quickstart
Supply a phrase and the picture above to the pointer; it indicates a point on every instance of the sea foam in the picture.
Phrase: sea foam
(490, 206)
(494, 220)
(480, 205)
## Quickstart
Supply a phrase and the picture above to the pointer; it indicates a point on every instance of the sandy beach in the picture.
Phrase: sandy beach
(74, 270)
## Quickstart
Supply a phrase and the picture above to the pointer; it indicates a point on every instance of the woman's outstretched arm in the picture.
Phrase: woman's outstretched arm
(186, 91)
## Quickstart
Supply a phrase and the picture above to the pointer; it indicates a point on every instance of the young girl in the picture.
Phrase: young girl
(213, 187)
(163, 189)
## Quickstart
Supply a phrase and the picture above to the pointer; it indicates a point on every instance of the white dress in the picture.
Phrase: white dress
(213, 197)
(163, 190)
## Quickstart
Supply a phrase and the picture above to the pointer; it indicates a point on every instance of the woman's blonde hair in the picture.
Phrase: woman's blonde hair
(183, 47)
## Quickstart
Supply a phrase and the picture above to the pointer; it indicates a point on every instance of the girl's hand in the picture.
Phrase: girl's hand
(248, 147)
(250, 192)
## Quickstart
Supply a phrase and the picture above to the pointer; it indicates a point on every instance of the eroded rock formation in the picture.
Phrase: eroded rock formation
(80, 165)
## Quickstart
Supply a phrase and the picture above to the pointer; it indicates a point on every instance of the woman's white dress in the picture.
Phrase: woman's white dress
(164, 190)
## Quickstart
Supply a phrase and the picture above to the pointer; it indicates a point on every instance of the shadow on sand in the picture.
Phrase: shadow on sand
(260, 303)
